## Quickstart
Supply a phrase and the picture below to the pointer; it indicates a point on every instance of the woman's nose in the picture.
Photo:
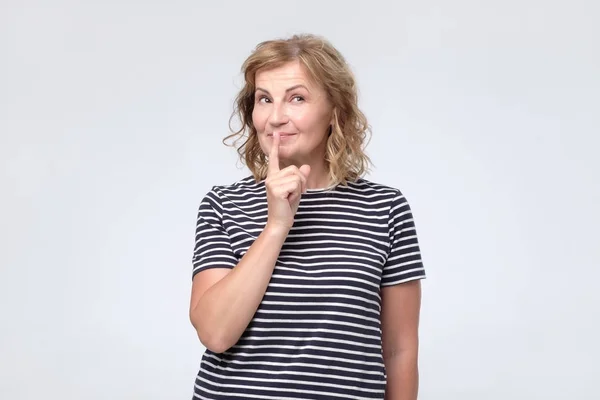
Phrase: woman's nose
(279, 115)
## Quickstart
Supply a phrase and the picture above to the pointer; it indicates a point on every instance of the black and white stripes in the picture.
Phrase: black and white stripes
(316, 334)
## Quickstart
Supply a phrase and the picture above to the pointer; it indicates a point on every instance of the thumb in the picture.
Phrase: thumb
(305, 170)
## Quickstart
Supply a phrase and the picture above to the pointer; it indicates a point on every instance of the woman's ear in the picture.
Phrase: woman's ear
(333, 119)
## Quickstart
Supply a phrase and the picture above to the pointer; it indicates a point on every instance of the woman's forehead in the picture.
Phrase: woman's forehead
(286, 76)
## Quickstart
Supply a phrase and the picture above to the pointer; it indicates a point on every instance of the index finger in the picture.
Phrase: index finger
(274, 155)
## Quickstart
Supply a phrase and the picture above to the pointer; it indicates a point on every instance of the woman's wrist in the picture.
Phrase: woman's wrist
(276, 230)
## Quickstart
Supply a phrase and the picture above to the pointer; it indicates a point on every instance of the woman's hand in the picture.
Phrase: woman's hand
(284, 189)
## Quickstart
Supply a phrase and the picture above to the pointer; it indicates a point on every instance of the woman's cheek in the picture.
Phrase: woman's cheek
(256, 120)
(298, 117)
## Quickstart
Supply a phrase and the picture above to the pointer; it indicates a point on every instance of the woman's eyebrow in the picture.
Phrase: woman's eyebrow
(287, 90)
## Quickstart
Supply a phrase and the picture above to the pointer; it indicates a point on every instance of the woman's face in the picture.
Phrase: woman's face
(288, 102)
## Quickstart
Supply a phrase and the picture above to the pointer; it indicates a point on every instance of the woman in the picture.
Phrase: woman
(305, 275)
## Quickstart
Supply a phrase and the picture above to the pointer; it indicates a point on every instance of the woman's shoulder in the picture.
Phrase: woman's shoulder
(370, 187)
(241, 186)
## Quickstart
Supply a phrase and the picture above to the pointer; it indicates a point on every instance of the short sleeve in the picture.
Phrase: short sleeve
(212, 248)
(404, 261)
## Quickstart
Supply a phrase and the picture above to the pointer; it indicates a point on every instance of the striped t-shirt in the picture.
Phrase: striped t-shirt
(317, 332)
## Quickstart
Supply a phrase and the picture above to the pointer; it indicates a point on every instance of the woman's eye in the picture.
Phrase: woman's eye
(298, 98)
(263, 99)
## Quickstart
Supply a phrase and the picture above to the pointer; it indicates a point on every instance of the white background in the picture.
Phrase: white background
(485, 114)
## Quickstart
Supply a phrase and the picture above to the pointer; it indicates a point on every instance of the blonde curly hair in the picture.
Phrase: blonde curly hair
(345, 154)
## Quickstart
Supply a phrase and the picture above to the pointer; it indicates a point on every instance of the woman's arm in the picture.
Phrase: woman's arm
(224, 300)
(401, 306)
